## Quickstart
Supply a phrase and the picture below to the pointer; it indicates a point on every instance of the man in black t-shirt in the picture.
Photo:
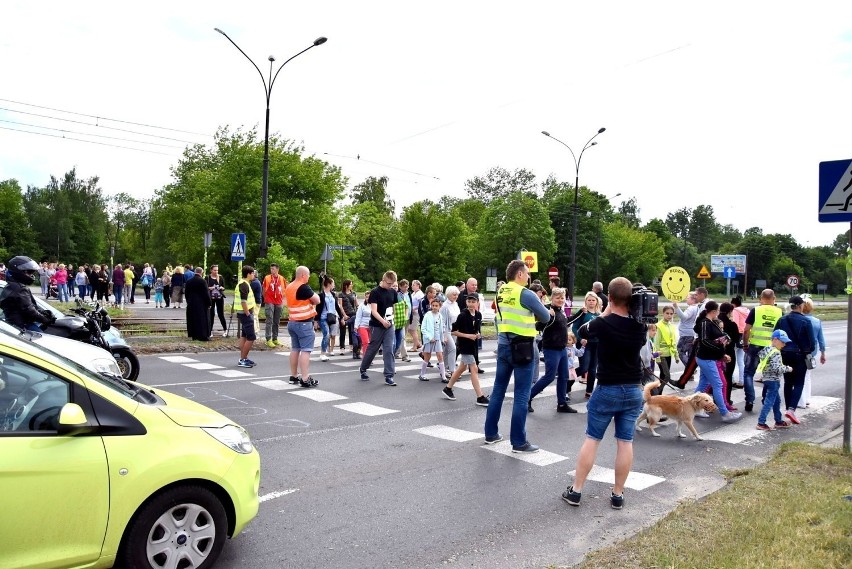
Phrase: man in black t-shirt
(618, 394)
(382, 299)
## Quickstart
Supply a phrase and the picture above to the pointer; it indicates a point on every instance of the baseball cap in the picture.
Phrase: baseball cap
(796, 300)
(781, 335)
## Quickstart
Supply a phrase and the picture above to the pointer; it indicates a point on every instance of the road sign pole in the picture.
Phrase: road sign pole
(847, 395)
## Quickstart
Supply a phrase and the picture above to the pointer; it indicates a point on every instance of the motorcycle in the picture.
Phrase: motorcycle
(89, 325)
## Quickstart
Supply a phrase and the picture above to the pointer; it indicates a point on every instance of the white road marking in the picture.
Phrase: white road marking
(231, 373)
(318, 395)
(178, 359)
(276, 384)
(203, 366)
(449, 433)
(540, 458)
(635, 480)
(366, 409)
(277, 494)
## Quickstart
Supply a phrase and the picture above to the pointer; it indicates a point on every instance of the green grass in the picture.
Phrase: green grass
(792, 512)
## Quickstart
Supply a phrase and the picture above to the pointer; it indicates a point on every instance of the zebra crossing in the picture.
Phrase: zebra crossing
(742, 432)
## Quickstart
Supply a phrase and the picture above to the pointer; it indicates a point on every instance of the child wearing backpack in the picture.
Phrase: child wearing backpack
(773, 369)
(158, 294)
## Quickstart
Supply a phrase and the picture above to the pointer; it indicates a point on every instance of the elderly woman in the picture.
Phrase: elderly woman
(807, 310)
(449, 313)
(177, 287)
(590, 310)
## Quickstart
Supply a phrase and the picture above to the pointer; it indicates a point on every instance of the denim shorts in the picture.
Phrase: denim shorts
(623, 403)
(467, 359)
(302, 335)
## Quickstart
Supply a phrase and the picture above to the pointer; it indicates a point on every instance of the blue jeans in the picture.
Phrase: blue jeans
(398, 335)
(589, 365)
(63, 292)
(621, 403)
(523, 382)
(117, 293)
(751, 361)
(324, 327)
(83, 290)
(771, 400)
(710, 376)
(555, 365)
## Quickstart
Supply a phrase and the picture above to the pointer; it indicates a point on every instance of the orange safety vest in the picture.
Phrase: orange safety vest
(273, 289)
(300, 310)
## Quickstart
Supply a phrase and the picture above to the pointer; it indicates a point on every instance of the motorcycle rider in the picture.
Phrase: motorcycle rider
(17, 300)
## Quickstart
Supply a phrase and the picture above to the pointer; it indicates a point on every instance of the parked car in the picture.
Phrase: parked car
(97, 470)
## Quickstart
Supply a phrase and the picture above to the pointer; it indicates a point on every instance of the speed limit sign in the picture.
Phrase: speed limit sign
(792, 281)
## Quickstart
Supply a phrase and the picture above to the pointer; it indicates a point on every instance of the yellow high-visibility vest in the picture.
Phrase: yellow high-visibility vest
(765, 318)
(511, 315)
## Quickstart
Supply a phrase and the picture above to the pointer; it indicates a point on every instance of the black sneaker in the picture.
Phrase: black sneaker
(749, 407)
(430, 364)
(565, 408)
(572, 497)
(448, 393)
(617, 502)
(445, 380)
(526, 448)
(530, 408)
(364, 377)
(422, 378)
(308, 384)
(495, 439)
(482, 401)
(390, 382)
(294, 379)
(479, 369)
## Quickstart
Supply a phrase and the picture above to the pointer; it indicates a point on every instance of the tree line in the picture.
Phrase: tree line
(216, 188)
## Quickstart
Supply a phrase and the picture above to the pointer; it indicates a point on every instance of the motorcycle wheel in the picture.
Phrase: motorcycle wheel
(128, 363)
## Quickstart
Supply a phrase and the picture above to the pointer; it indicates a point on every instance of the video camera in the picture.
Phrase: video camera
(643, 304)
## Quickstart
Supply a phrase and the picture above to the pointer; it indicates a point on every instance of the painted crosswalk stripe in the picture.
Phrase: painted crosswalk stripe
(449, 433)
(635, 480)
(231, 373)
(540, 458)
(275, 384)
(276, 494)
(744, 429)
(366, 409)
(178, 359)
(318, 395)
(202, 365)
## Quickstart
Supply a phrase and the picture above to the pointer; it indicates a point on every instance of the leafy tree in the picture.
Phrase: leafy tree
(469, 210)
(704, 231)
(432, 244)
(372, 230)
(500, 183)
(218, 188)
(680, 253)
(760, 253)
(659, 228)
(631, 253)
(840, 243)
(375, 191)
(16, 236)
(628, 211)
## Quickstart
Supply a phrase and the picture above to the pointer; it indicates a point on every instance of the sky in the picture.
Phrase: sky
(731, 104)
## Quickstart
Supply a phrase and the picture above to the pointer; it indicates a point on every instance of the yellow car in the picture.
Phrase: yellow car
(96, 471)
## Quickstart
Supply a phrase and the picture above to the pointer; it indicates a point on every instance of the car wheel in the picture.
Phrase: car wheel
(128, 363)
(182, 528)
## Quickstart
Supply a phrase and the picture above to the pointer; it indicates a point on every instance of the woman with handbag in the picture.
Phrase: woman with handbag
(329, 318)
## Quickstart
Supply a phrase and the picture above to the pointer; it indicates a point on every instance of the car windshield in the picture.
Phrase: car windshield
(23, 341)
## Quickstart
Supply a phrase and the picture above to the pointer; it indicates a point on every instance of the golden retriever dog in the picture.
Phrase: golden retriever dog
(679, 409)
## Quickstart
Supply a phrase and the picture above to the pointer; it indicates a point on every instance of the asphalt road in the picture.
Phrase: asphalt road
(358, 474)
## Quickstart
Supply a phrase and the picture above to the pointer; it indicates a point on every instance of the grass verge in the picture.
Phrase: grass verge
(792, 512)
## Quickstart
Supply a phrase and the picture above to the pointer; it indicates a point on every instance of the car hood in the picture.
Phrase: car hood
(187, 413)
(78, 352)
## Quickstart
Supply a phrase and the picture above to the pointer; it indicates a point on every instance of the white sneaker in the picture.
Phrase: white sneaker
(702, 414)
(732, 416)
(323, 358)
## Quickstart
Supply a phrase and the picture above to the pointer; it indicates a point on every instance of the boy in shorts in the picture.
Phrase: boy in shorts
(467, 328)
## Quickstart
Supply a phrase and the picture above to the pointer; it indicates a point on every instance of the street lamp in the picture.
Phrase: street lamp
(577, 159)
(267, 89)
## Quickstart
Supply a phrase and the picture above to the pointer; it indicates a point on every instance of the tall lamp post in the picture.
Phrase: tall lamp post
(589, 144)
(267, 89)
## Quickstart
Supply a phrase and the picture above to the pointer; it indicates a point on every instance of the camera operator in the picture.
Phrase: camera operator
(17, 301)
(621, 334)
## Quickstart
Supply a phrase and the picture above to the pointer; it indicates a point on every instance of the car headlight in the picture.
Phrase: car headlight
(106, 365)
(234, 437)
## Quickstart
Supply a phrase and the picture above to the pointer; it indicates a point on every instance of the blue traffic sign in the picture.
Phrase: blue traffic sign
(729, 272)
(835, 191)
(238, 246)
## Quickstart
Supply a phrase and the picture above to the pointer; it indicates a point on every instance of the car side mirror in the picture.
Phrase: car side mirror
(73, 420)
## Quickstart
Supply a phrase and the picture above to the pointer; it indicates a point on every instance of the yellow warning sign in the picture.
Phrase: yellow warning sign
(704, 273)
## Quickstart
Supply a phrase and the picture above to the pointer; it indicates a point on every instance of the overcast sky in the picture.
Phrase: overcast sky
(732, 104)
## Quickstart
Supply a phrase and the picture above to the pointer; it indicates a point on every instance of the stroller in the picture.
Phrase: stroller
(52, 289)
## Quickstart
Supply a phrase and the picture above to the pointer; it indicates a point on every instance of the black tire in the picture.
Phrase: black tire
(157, 539)
(127, 362)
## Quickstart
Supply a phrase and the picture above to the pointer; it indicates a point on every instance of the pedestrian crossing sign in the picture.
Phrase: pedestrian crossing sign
(238, 246)
(835, 191)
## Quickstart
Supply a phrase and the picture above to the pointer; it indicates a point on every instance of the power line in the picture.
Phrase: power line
(96, 125)
(90, 134)
(104, 118)
(89, 141)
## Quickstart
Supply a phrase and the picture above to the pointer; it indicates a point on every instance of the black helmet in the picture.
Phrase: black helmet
(22, 269)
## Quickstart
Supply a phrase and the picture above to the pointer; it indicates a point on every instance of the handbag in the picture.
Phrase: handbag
(521, 348)
(810, 361)
(331, 318)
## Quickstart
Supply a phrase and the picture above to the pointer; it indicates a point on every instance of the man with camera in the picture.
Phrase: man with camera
(621, 333)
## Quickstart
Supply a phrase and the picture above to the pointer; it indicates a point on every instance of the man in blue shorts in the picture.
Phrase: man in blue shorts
(301, 304)
(618, 395)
